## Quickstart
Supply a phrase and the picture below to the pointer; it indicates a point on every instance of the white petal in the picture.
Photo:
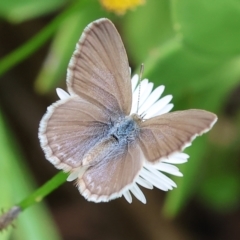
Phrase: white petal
(134, 82)
(166, 109)
(145, 94)
(165, 167)
(158, 106)
(138, 193)
(72, 176)
(128, 196)
(77, 173)
(144, 84)
(144, 183)
(160, 175)
(154, 180)
(177, 158)
(154, 96)
(179, 155)
(62, 94)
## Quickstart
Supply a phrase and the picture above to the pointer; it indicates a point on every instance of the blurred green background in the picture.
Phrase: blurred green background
(191, 47)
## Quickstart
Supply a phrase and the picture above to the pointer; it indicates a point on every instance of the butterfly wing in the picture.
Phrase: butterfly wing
(172, 132)
(115, 170)
(69, 129)
(98, 80)
(99, 70)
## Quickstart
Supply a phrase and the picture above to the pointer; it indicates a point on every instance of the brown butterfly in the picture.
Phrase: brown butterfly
(91, 133)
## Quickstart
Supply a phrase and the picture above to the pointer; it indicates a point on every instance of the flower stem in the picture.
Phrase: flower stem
(8, 217)
(43, 191)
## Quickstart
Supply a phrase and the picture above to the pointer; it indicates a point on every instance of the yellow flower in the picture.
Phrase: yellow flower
(121, 6)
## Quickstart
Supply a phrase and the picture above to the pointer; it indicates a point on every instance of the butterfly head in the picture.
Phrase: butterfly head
(137, 118)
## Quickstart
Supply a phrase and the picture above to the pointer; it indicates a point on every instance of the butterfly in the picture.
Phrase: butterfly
(92, 134)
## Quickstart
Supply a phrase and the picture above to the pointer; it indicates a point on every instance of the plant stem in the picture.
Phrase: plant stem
(43, 191)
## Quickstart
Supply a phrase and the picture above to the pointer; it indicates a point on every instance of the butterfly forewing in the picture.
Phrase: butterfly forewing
(171, 132)
(99, 70)
(69, 130)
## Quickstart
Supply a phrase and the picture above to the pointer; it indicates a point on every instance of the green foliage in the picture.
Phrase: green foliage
(199, 65)
(18, 11)
(209, 26)
(63, 46)
(16, 183)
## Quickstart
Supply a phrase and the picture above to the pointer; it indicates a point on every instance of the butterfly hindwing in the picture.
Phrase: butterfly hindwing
(115, 169)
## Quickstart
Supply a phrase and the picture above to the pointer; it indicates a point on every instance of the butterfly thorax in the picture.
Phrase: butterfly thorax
(121, 132)
(125, 129)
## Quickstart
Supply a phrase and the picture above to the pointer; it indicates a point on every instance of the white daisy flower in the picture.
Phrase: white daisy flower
(151, 175)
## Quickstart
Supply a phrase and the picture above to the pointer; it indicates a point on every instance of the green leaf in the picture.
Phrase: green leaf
(145, 28)
(37, 41)
(221, 190)
(178, 198)
(199, 66)
(198, 92)
(63, 45)
(15, 184)
(21, 10)
(208, 26)
(220, 186)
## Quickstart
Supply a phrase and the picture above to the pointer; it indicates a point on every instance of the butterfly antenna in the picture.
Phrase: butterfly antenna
(139, 84)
